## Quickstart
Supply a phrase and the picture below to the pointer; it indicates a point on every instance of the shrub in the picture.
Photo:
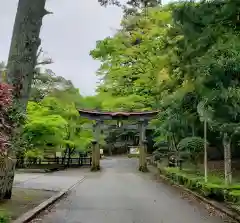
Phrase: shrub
(214, 191)
(34, 153)
(233, 196)
(193, 146)
(6, 100)
(195, 183)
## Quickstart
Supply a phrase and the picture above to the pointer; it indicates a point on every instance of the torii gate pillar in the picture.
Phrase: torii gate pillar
(94, 157)
(142, 146)
(96, 146)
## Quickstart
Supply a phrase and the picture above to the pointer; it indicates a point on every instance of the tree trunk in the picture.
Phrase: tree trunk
(177, 152)
(64, 157)
(68, 162)
(23, 55)
(7, 169)
(227, 159)
(193, 129)
(205, 153)
(23, 50)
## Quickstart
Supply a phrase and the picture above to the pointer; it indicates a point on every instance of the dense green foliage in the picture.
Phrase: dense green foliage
(193, 147)
(182, 59)
(215, 189)
(53, 123)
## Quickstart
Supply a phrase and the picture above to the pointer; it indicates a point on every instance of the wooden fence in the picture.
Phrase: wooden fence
(53, 163)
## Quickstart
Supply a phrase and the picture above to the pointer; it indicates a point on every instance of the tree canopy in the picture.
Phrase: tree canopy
(181, 58)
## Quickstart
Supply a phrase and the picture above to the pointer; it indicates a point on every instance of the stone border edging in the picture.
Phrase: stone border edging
(28, 216)
(224, 210)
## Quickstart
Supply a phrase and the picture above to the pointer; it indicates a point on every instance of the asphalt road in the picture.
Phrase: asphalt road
(120, 194)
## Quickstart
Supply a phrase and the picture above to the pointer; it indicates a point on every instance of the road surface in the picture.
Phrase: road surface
(120, 194)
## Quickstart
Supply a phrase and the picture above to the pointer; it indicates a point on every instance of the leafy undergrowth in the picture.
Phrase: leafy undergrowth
(236, 207)
(4, 217)
(22, 201)
(214, 189)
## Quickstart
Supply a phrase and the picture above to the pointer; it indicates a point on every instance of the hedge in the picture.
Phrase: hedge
(215, 191)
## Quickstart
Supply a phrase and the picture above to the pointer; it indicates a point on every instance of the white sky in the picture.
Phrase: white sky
(67, 36)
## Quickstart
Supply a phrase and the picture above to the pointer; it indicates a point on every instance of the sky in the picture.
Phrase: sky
(67, 37)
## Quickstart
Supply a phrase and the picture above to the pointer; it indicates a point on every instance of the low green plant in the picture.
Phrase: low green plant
(233, 196)
(4, 217)
(215, 189)
(192, 148)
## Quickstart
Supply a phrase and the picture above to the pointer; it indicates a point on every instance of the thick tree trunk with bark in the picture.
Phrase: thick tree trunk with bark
(24, 46)
(227, 159)
(7, 168)
(21, 63)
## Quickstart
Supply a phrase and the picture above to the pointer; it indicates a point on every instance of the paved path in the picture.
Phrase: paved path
(120, 194)
(51, 181)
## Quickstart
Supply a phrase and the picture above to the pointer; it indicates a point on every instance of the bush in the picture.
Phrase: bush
(214, 191)
(34, 154)
(196, 183)
(233, 196)
(193, 146)
(6, 99)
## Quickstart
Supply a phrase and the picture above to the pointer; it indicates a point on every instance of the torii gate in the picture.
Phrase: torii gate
(100, 116)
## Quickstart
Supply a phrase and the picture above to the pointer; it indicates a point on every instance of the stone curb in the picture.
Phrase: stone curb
(28, 216)
(215, 205)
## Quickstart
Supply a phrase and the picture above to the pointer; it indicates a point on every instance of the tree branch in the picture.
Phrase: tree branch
(45, 62)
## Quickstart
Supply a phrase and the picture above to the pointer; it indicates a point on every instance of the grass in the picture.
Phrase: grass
(22, 201)
(236, 207)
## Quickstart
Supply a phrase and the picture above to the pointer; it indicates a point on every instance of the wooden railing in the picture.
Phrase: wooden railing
(53, 163)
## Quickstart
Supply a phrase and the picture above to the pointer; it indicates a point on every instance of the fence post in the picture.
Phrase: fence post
(79, 161)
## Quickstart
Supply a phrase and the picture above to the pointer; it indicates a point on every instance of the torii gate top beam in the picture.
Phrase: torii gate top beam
(94, 115)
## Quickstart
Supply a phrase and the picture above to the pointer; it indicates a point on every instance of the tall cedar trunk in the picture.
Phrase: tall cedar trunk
(227, 159)
(24, 46)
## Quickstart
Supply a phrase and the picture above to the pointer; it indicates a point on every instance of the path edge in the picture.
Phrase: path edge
(29, 215)
(232, 214)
